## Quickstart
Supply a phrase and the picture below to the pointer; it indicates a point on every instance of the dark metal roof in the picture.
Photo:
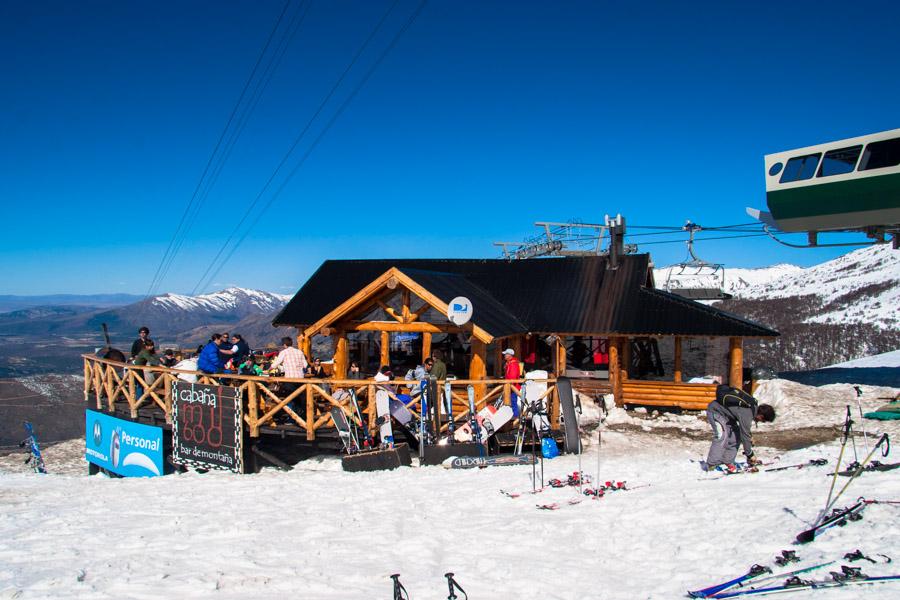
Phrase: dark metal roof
(569, 295)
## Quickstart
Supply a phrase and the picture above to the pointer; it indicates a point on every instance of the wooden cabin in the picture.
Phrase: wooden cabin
(601, 323)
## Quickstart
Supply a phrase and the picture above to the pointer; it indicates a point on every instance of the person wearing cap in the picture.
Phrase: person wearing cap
(512, 370)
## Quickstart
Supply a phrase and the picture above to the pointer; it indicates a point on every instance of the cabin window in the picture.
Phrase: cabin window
(800, 168)
(775, 169)
(838, 162)
(879, 155)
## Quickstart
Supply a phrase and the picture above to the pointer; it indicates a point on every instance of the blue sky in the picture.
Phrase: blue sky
(485, 117)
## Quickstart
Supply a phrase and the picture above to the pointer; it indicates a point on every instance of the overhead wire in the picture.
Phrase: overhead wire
(261, 83)
(209, 277)
(180, 230)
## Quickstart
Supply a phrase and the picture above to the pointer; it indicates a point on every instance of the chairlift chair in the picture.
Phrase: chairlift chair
(696, 278)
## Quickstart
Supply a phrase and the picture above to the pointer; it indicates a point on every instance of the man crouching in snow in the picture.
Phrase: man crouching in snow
(730, 415)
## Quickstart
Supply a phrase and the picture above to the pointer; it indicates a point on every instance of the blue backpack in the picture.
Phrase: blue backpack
(549, 448)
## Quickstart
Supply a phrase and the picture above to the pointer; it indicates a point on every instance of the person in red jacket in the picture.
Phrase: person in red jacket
(512, 370)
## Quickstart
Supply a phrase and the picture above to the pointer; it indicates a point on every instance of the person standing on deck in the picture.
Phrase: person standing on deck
(293, 362)
(512, 370)
(731, 415)
(438, 368)
(143, 338)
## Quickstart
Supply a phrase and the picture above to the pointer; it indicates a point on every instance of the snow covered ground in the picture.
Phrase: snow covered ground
(317, 532)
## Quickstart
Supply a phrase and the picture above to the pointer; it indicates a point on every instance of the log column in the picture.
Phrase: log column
(341, 356)
(736, 362)
(559, 365)
(478, 365)
(305, 345)
(677, 374)
(426, 346)
(385, 348)
(614, 370)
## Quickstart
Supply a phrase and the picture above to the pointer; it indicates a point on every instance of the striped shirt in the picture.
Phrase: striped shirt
(292, 361)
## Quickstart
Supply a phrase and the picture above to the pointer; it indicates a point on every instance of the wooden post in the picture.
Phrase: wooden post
(370, 407)
(304, 343)
(614, 370)
(736, 360)
(132, 394)
(426, 346)
(253, 408)
(385, 348)
(478, 365)
(341, 356)
(310, 413)
(625, 354)
(98, 385)
(559, 364)
(88, 371)
(167, 395)
(110, 386)
(677, 374)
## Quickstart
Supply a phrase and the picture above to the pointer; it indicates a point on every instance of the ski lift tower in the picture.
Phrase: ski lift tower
(695, 278)
(572, 238)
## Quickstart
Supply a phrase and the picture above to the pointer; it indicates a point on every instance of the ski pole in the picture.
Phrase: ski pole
(453, 586)
(884, 440)
(400, 592)
(599, 444)
(859, 394)
(578, 429)
(848, 423)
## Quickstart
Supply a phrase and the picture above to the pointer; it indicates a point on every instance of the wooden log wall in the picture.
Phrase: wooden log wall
(689, 396)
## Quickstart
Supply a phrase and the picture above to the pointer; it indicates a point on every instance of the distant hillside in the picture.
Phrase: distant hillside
(837, 311)
(9, 303)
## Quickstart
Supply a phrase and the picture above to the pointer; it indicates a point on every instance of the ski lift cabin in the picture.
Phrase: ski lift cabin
(846, 185)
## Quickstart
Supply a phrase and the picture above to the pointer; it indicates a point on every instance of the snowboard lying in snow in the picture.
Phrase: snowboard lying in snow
(470, 462)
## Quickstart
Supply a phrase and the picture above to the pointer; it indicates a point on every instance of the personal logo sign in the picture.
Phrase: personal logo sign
(123, 447)
(207, 431)
(459, 311)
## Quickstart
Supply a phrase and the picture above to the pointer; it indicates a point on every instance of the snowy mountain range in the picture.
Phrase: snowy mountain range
(862, 286)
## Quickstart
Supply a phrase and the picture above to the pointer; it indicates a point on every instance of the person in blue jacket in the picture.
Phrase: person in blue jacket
(212, 358)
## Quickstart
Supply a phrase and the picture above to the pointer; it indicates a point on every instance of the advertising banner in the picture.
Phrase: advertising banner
(123, 447)
(207, 431)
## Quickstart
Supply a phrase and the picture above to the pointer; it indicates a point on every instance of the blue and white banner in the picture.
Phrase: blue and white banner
(123, 447)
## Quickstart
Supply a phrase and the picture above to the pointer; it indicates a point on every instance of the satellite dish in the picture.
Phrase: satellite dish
(459, 311)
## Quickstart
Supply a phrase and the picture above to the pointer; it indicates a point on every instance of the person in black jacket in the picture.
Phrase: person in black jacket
(143, 338)
(731, 415)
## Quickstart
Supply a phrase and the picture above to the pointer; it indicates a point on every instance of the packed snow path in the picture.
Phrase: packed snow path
(317, 532)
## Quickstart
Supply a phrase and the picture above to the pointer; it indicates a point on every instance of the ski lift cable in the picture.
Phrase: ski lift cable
(347, 101)
(178, 230)
(262, 83)
(203, 281)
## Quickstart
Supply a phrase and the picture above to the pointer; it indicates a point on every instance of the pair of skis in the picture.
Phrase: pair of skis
(846, 577)
(756, 575)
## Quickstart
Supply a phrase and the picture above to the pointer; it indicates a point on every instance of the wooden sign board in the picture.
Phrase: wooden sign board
(207, 430)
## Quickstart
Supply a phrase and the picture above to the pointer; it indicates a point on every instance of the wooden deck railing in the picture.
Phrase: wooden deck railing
(109, 383)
